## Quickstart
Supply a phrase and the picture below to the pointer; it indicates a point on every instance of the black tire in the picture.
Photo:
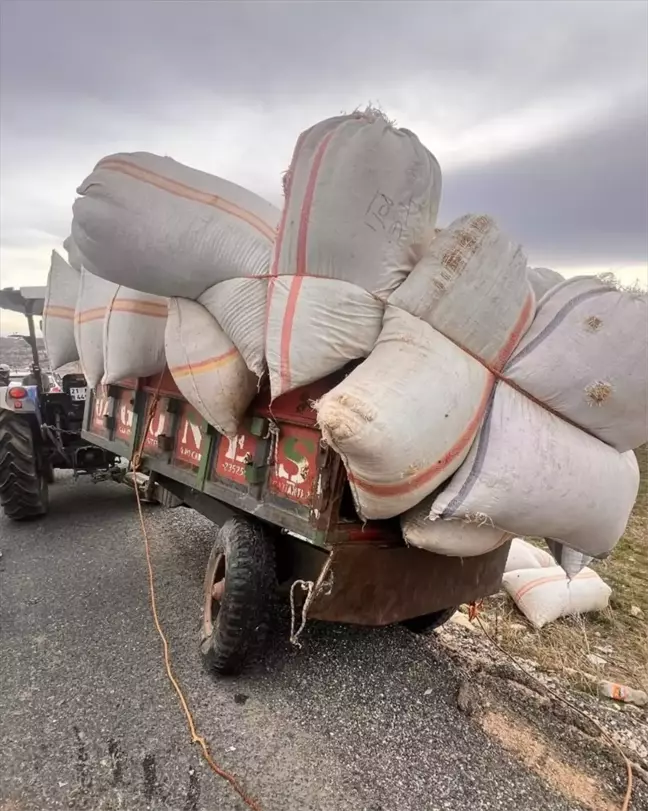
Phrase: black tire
(426, 623)
(235, 628)
(23, 485)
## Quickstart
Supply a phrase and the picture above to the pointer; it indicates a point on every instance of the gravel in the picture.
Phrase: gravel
(358, 720)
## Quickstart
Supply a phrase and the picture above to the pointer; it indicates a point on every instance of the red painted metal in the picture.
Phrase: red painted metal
(294, 468)
(234, 454)
(189, 437)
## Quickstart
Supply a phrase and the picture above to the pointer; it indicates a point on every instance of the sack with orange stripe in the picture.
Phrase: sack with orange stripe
(361, 203)
(239, 306)
(155, 225)
(58, 314)
(206, 366)
(544, 595)
(95, 295)
(133, 337)
(405, 418)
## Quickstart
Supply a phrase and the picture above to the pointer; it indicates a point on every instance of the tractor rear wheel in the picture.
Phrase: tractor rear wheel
(23, 482)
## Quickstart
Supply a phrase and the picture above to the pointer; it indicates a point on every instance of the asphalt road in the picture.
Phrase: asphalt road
(359, 720)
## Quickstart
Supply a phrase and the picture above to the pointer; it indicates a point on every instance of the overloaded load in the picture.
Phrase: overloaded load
(491, 398)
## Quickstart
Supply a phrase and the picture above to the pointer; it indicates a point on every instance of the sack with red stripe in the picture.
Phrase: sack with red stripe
(361, 199)
(472, 286)
(544, 595)
(532, 473)
(158, 226)
(586, 357)
(405, 418)
(524, 555)
(58, 314)
(456, 539)
(95, 295)
(206, 366)
(133, 338)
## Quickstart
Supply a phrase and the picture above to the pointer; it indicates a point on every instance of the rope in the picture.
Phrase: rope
(195, 736)
(313, 590)
(553, 694)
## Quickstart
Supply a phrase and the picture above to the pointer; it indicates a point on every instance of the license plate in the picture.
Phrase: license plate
(78, 393)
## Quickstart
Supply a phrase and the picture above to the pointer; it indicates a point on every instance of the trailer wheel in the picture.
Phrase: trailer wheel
(428, 622)
(23, 485)
(240, 583)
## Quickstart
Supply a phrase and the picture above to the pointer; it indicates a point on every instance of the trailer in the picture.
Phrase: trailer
(286, 517)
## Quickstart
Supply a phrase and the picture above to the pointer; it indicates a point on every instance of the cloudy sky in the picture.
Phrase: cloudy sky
(537, 111)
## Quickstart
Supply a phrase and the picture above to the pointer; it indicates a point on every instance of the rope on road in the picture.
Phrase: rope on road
(553, 694)
(195, 737)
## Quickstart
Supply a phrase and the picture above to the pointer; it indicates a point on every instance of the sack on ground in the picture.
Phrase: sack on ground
(532, 473)
(134, 335)
(158, 226)
(457, 539)
(58, 314)
(361, 203)
(206, 366)
(524, 555)
(95, 295)
(586, 357)
(330, 323)
(404, 419)
(544, 595)
(472, 286)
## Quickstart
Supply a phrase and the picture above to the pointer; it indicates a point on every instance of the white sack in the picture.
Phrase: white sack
(361, 202)
(206, 366)
(316, 326)
(95, 295)
(58, 314)
(542, 280)
(458, 539)
(472, 286)
(404, 419)
(157, 226)
(74, 254)
(524, 555)
(586, 357)
(543, 595)
(239, 306)
(532, 473)
(134, 335)
(571, 560)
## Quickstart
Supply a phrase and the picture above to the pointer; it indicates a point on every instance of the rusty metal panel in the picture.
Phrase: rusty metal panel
(374, 585)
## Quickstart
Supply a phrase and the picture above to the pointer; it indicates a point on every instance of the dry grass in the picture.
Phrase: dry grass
(615, 635)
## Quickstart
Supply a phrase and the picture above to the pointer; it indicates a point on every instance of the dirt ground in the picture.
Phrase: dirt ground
(514, 690)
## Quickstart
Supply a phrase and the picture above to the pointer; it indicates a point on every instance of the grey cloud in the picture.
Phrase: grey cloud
(584, 199)
(81, 79)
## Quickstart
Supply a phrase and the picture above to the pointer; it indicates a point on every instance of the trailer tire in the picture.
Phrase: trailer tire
(241, 568)
(23, 484)
(427, 623)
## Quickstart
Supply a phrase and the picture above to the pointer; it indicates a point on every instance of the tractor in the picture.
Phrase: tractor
(40, 427)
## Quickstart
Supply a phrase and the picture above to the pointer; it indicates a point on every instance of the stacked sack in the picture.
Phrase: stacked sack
(361, 203)
(494, 399)
(196, 247)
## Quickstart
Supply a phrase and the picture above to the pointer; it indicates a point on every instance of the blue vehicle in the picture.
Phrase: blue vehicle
(40, 424)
